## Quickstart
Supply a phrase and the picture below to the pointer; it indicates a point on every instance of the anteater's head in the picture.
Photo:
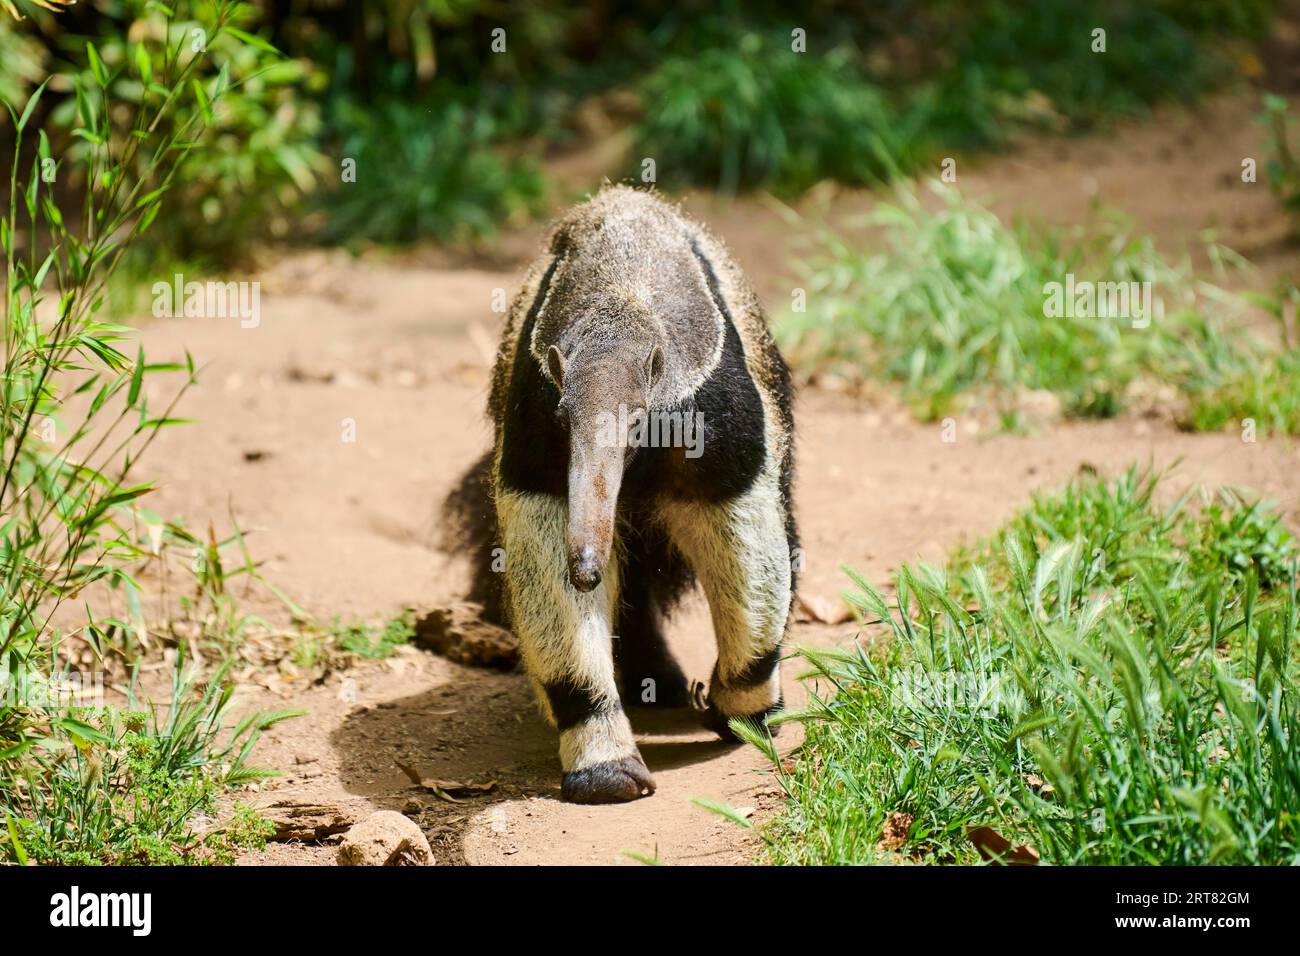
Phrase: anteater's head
(604, 391)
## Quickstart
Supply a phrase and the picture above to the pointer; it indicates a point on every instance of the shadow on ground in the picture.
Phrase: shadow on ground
(480, 726)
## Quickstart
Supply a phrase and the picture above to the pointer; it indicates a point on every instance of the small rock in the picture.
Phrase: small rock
(815, 608)
(385, 838)
(1039, 407)
(305, 373)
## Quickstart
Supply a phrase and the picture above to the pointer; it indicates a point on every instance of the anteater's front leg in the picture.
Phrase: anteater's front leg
(741, 554)
(567, 648)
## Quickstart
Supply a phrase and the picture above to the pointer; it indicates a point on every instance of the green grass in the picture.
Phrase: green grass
(135, 785)
(1283, 165)
(328, 644)
(1109, 680)
(375, 642)
(953, 310)
(1269, 397)
(1266, 396)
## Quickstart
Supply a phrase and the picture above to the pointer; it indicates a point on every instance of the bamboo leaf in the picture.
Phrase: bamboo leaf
(252, 40)
(137, 378)
(32, 100)
(143, 64)
(96, 65)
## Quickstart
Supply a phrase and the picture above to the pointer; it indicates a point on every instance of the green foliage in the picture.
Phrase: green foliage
(111, 786)
(433, 171)
(756, 113)
(247, 176)
(68, 517)
(1012, 65)
(75, 419)
(724, 100)
(24, 63)
(751, 112)
(1108, 681)
(957, 306)
(1266, 393)
(1247, 18)
(375, 643)
(1283, 164)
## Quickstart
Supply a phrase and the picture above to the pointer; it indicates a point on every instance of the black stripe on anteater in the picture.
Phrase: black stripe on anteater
(535, 451)
(730, 409)
(535, 448)
(573, 704)
(758, 671)
(784, 385)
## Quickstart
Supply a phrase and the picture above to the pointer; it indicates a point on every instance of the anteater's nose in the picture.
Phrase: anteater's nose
(584, 570)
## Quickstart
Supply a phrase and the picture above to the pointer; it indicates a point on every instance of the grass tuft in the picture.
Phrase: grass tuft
(135, 785)
(1109, 680)
(960, 307)
(1264, 398)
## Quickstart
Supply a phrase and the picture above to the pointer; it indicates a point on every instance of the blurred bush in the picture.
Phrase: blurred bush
(1283, 163)
(1266, 394)
(260, 158)
(24, 63)
(725, 102)
(426, 172)
(473, 94)
(748, 111)
(1001, 66)
(758, 113)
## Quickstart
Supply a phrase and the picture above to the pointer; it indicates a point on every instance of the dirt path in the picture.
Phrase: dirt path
(398, 351)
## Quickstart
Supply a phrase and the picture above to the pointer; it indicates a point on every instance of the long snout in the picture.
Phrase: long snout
(595, 475)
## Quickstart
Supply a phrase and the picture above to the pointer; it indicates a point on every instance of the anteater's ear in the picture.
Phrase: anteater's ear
(654, 366)
(555, 362)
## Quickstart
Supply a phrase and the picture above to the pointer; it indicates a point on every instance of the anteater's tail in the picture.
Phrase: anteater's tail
(470, 526)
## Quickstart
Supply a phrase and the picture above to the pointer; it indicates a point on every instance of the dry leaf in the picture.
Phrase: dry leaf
(445, 789)
(997, 849)
(897, 826)
(1038, 783)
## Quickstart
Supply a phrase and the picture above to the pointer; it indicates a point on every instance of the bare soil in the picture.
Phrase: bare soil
(399, 347)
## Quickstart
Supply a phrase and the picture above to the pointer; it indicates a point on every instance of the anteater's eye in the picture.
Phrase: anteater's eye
(562, 415)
